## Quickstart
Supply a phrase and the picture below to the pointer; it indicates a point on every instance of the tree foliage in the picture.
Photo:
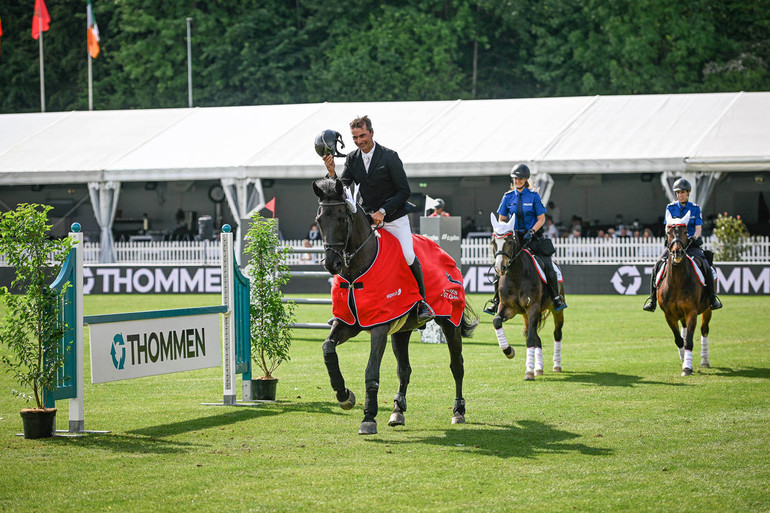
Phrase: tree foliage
(271, 51)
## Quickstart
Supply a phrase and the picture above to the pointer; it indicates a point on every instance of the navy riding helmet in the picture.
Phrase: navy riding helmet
(326, 143)
(519, 171)
(682, 185)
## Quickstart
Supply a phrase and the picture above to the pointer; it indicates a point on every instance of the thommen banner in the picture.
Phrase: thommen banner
(631, 279)
(147, 347)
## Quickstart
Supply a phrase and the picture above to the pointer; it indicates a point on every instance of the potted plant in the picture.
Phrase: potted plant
(31, 329)
(271, 318)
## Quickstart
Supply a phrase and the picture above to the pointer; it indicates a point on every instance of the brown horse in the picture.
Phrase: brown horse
(682, 296)
(351, 250)
(522, 291)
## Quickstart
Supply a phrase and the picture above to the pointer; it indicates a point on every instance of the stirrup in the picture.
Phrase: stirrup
(491, 306)
(558, 303)
(716, 304)
(649, 305)
(424, 313)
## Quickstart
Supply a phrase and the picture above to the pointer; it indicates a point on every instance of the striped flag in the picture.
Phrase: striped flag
(93, 32)
(1, 27)
(40, 19)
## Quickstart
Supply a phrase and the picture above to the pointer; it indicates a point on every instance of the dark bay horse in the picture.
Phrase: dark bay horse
(682, 296)
(522, 291)
(351, 248)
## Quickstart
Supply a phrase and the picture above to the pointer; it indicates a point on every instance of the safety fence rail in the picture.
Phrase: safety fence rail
(475, 251)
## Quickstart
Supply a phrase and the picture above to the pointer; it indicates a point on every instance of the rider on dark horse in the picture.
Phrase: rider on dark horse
(384, 194)
(530, 218)
(679, 209)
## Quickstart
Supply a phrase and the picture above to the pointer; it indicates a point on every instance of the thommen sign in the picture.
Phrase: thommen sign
(135, 346)
(152, 280)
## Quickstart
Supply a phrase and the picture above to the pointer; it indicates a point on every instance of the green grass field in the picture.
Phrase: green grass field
(618, 430)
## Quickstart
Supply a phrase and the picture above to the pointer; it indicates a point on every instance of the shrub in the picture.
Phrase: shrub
(732, 237)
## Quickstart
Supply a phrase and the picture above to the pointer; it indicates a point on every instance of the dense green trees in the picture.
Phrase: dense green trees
(273, 51)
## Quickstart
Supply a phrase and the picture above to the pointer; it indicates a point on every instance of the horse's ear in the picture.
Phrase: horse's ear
(338, 187)
(686, 219)
(316, 189)
(495, 223)
(669, 218)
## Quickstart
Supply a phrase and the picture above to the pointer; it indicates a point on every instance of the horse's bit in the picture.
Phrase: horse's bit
(345, 255)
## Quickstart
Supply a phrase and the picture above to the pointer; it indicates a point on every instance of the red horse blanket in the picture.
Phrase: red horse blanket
(387, 290)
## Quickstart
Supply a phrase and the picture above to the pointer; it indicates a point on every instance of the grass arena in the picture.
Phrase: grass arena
(617, 430)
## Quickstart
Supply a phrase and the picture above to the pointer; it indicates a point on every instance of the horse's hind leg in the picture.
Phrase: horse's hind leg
(533, 342)
(688, 345)
(558, 321)
(455, 344)
(379, 340)
(400, 343)
(339, 333)
(704, 339)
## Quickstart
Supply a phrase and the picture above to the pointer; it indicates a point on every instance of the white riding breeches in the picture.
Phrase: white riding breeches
(401, 229)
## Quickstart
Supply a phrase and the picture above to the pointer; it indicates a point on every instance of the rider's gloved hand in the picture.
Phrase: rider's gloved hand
(528, 236)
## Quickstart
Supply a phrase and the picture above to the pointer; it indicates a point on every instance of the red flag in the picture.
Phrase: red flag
(1, 27)
(270, 205)
(40, 19)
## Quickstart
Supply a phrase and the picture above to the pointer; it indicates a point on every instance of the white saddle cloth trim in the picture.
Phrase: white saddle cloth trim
(698, 272)
(539, 269)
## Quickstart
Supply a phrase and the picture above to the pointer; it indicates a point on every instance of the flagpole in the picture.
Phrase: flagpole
(189, 66)
(90, 82)
(42, 67)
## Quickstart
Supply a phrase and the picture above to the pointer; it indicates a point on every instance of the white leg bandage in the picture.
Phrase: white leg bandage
(681, 353)
(501, 339)
(704, 350)
(539, 358)
(530, 358)
(687, 363)
(557, 353)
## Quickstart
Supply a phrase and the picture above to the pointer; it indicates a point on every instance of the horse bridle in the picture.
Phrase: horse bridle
(503, 269)
(345, 255)
(678, 241)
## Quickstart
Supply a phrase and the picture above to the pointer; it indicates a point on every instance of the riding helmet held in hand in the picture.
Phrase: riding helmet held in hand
(519, 171)
(326, 143)
(682, 185)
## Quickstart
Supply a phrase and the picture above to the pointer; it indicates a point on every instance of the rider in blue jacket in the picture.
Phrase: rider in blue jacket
(679, 209)
(530, 218)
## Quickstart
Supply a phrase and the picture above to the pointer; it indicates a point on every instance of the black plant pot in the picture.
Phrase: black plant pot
(39, 423)
(264, 389)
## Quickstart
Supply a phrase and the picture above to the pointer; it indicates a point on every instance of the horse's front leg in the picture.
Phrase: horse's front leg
(533, 343)
(379, 339)
(673, 323)
(339, 333)
(692, 319)
(503, 315)
(400, 343)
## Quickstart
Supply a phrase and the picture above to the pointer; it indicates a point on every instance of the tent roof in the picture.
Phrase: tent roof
(598, 134)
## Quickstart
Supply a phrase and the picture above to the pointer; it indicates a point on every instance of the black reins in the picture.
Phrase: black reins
(511, 259)
(345, 255)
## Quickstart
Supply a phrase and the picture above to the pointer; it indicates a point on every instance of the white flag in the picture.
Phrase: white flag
(430, 204)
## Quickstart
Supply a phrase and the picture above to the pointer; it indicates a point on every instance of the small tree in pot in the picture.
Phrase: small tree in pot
(271, 319)
(31, 329)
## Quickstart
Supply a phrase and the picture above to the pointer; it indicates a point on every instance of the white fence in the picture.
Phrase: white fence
(476, 251)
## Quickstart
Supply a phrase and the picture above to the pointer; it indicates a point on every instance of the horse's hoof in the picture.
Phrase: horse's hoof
(686, 372)
(368, 428)
(509, 352)
(556, 368)
(529, 376)
(348, 403)
(396, 419)
(538, 372)
(458, 419)
(705, 365)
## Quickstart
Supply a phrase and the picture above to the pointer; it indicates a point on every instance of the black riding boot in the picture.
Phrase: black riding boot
(652, 302)
(553, 285)
(714, 301)
(492, 304)
(424, 311)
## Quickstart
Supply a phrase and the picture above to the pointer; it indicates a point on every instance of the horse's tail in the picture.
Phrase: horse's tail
(469, 321)
(544, 315)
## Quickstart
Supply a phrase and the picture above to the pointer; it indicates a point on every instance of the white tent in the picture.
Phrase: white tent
(698, 136)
